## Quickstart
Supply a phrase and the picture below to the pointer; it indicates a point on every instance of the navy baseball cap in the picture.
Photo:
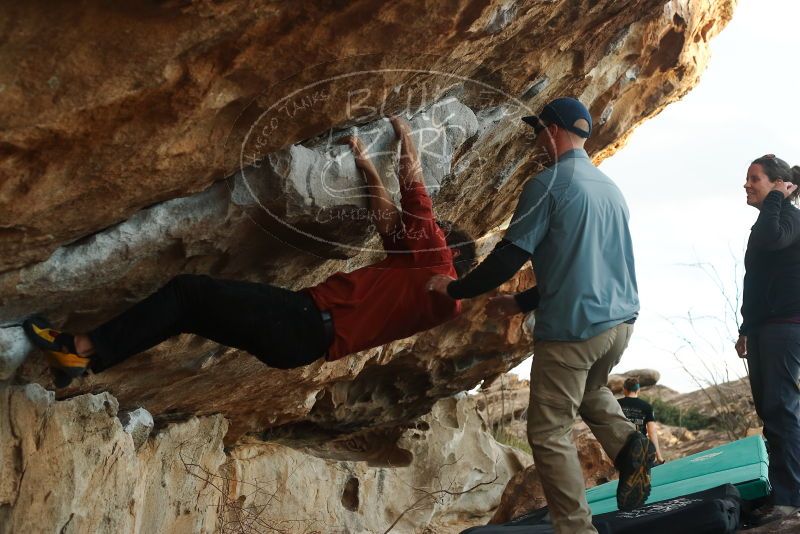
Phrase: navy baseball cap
(566, 112)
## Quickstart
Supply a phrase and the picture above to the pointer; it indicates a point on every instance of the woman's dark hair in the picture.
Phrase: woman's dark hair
(459, 239)
(777, 169)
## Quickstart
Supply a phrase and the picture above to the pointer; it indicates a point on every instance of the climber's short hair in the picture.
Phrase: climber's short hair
(459, 240)
(631, 384)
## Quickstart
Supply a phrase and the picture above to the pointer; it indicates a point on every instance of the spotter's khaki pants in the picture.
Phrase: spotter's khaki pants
(569, 378)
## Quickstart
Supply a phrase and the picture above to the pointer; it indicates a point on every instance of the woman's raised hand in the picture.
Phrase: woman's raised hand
(787, 188)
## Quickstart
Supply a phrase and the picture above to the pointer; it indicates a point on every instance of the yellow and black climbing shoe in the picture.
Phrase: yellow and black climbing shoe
(64, 360)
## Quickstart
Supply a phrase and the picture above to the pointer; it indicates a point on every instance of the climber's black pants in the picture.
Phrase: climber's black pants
(282, 328)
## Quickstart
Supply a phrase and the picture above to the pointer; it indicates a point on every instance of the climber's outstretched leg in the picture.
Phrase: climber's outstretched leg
(283, 328)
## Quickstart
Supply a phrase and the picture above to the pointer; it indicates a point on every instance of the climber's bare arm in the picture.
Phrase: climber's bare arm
(383, 212)
(410, 166)
(652, 433)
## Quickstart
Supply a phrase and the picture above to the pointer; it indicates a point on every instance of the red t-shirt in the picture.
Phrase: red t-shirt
(388, 300)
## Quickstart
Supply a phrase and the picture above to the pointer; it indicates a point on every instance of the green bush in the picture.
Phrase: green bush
(672, 415)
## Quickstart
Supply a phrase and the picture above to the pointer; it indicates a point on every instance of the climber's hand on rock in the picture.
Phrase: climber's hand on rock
(359, 152)
(355, 144)
(400, 125)
(502, 306)
(438, 284)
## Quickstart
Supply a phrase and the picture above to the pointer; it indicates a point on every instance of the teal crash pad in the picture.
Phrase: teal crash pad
(742, 463)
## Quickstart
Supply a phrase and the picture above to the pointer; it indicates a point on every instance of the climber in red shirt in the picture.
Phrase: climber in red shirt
(346, 313)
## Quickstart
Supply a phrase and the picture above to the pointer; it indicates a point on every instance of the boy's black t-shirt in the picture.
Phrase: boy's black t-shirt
(638, 412)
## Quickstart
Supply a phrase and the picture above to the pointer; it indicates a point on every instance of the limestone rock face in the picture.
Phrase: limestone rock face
(455, 474)
(143, 142)
(14, 346)
(138, 423)
(69, 466)
(108, 109)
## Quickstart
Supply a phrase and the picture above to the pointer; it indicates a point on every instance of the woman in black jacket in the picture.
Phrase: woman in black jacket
(770, 333)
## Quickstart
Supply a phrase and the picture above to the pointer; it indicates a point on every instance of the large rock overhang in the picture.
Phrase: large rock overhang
(130, 156)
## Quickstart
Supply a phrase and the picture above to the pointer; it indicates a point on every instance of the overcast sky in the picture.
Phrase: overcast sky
(682, 173)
